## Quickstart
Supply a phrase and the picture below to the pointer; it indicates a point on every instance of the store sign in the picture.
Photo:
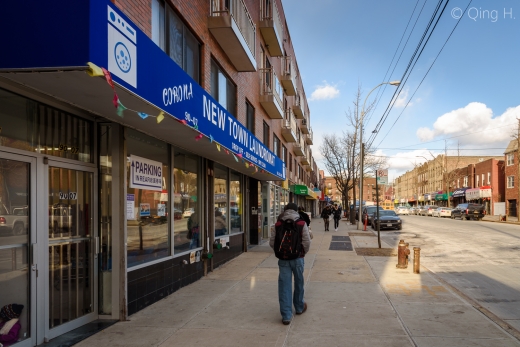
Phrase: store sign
(98, 32)
(382, 177)
(145, 173)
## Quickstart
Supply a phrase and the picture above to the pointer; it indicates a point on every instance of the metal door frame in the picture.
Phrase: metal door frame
(66, 327)
(35, 281)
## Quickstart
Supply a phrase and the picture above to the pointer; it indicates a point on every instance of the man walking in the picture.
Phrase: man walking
(337, 216)
(325, 214)
(290, 240)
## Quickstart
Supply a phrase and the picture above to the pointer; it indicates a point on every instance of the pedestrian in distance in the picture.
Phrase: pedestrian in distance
(325, 214)
(290, 240)
(304, 216)
(336, 211)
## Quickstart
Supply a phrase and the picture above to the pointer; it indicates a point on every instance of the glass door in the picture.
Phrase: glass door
(17, 266)
(71, 250)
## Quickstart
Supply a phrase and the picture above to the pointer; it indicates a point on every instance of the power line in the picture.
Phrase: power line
(406, 72)
(397, 62)
(413, 62)
(442, 48)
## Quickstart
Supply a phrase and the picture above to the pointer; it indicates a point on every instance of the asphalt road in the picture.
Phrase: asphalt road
(481, 259)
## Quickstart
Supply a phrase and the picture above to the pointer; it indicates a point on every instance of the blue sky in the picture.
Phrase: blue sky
(473, 87)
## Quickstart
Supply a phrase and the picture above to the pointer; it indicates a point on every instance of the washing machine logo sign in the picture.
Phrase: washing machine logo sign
(122, 48)
(122, 56)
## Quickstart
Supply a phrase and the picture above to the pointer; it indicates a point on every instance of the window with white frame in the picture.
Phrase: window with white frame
(510, 159)
(465, 181)
(489, 178)
(483, 179)
(510, 181)
(476, 185)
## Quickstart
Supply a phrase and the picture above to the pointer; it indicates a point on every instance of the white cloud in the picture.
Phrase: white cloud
(476, 122)
(402, 99)
(324, 92)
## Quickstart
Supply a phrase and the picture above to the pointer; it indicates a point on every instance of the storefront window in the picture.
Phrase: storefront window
(31, 126)
(187, 224)
(105, 218)
(235, 202)
(147, 210)
(272, 204)
(220, 200)
(14, 239)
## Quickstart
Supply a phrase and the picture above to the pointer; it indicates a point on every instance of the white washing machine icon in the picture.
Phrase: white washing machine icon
(122, 57)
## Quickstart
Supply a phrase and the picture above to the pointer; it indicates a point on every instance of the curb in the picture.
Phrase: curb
(493, 317)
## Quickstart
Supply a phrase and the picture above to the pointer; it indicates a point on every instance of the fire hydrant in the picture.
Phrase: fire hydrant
(402, 255)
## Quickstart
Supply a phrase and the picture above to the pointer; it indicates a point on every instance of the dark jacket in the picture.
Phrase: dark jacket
(337, 213)
(305, 217)
(306, 238)
(325, 213)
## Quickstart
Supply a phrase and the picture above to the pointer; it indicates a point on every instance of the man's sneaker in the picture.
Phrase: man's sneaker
(304, 309)
(286, 321)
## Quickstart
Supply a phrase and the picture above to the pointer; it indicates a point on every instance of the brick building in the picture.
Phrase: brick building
(158, 139)
(511, 178)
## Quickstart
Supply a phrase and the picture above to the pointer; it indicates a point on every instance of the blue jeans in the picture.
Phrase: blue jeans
(285, 297)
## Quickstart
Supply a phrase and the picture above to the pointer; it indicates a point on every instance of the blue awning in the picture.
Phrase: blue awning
(459, 192)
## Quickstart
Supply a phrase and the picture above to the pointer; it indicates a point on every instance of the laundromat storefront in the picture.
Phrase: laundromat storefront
(105, 66)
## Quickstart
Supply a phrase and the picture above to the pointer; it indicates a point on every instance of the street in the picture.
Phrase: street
(480, 259)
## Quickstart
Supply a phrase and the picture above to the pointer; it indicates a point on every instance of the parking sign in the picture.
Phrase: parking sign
(382, 177)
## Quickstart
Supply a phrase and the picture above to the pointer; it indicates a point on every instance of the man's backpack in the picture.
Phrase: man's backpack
(288, 240)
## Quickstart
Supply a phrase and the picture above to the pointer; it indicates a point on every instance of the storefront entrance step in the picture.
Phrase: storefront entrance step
(79, 334)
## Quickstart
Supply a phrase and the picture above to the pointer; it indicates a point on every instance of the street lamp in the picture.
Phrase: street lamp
(360, 223)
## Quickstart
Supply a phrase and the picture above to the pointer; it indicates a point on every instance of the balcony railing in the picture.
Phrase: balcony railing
(235, 31)
(289, 128)
(271, 93)
(289, 76)
(298, 109)
(271, 27)
(308, 137)
(299, 147)
(304, 126)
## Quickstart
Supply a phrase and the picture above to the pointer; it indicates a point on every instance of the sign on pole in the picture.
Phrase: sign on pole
(382, 177)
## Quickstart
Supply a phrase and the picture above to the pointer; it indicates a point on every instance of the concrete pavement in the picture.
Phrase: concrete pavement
(353, 301)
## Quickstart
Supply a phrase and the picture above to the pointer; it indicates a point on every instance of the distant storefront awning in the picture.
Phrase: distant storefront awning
(473, 194)
(427, 197)
(300, 189)
(460, 192)
(441, 197)
(478, 193)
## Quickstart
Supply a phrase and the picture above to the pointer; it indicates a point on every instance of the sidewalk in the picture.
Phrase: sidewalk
(353, 301)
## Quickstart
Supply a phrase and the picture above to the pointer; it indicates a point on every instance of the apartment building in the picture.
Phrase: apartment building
(143, 144)
(511, 178)
(445, 181)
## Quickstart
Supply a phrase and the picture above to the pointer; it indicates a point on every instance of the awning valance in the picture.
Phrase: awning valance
(459, 192)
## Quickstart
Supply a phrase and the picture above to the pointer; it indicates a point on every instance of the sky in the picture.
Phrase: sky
(469, 100)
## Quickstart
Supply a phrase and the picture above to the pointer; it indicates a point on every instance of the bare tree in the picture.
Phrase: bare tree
(341, 152)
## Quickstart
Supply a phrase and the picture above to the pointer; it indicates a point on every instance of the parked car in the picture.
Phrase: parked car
(387, 220)
(14, 221)
(442, 212)
(427, 210)
(414, 210)
(370, 212)
(188, 212)
(400, 210)
(468, 211)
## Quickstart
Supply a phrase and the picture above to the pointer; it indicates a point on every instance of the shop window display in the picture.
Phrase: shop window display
(220, 200)
(235, 203)
(187, 224)
(147, 209)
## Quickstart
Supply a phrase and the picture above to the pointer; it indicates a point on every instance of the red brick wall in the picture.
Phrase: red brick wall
(512, 170)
